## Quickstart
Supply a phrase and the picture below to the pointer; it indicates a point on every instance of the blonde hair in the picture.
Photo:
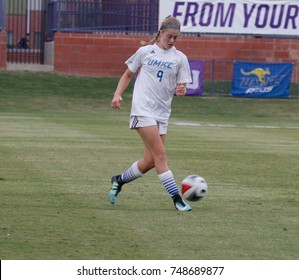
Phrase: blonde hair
(169, 23)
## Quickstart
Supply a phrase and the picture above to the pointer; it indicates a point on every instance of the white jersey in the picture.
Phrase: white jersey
(159, 72)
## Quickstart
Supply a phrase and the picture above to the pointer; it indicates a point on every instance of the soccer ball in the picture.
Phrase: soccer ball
(194, 188)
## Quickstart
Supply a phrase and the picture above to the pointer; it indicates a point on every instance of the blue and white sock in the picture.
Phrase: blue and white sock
(169, 183)
(131, 174)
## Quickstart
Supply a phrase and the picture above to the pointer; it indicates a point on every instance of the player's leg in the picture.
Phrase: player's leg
(136, 170)
(154, 142)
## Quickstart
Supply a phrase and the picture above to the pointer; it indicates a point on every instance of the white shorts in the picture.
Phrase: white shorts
(136, 122)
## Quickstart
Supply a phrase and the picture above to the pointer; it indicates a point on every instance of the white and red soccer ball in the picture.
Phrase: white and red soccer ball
(194, 187)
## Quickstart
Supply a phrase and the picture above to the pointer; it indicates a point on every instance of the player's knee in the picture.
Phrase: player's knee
(160, 158)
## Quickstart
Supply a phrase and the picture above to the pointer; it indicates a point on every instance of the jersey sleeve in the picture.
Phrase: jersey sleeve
(135, 61)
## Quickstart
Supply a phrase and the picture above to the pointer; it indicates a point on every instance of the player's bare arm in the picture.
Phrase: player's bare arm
(122, 85)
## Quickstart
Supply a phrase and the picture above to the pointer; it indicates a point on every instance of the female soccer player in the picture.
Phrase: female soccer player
(162, 70)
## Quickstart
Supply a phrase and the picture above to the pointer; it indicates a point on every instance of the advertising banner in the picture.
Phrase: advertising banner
(268, 17)
(197, 71)
(261, 80)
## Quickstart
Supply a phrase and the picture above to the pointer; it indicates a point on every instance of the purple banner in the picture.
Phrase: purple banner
(197, 71)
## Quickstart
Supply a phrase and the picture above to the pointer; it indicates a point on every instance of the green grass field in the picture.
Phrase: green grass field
(60, 143)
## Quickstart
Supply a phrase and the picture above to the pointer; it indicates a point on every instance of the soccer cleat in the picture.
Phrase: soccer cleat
(180, 204)
(115, 189)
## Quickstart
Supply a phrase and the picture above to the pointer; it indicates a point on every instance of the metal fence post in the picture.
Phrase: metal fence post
(58, 10)
(2, 14)
(151, 17)
(213, 76)
(297, 69)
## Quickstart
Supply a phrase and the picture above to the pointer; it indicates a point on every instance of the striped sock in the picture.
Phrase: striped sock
(131, 174)
(169, 183)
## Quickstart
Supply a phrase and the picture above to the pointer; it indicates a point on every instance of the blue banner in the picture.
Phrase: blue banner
(197, 71)
(261, 80)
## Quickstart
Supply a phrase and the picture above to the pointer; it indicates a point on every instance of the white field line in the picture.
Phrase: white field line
(232, 126)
